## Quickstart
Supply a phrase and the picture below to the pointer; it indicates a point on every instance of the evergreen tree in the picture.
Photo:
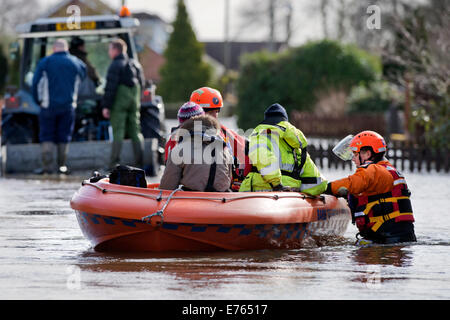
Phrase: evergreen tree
(184, 70)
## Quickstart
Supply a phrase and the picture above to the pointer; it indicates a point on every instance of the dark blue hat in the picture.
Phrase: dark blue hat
(276, 111)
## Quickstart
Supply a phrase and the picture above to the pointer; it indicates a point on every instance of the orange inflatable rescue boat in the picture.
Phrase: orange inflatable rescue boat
(122, 218)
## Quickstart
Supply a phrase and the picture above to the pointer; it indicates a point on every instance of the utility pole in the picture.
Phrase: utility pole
(407, 105)
(323, 11)
(226, 47)
(288, 23)
(272, 25)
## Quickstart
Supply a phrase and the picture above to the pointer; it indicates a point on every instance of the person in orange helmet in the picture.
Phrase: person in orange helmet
(211, 101)
(378, 195)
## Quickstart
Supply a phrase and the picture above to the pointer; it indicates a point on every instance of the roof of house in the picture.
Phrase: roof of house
(216, 50)
(87, 7)
(148, 16)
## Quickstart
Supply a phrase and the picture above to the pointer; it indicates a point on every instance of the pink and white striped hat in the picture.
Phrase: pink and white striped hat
(189, 110)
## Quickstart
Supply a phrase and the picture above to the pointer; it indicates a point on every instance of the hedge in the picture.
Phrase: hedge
(295, 77)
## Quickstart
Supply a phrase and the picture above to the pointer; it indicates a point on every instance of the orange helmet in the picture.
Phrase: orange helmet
(125, 12)
(368, 139)
(207, 98)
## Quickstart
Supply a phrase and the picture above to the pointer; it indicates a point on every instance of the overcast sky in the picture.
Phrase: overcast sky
(208, 16)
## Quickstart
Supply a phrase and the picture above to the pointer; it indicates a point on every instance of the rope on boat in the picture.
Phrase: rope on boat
(160, 212)
(223, 199)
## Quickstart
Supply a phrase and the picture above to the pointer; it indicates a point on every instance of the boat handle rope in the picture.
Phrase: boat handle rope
(160, 212)
(223, 200)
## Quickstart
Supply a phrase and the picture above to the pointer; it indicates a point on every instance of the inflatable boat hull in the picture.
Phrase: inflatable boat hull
(119, 218)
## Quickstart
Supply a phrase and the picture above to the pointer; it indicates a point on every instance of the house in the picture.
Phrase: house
(151, 37)
(153, 34)
(151, 40)
(87, 8)
(216, 50)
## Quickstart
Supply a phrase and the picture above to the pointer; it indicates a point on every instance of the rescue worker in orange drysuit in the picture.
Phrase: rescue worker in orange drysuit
(378, 195)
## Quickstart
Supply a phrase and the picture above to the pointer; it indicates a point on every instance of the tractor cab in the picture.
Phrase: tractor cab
(89, 41)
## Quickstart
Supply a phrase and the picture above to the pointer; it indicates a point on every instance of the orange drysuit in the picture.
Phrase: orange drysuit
(379, 200)
(368, 180)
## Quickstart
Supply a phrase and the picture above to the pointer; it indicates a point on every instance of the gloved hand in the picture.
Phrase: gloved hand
(342, 192)
(278, 187)
(328, 190)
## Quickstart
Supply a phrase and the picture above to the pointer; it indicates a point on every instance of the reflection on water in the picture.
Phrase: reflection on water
(227, 273)
(398, 256)
(37, 212)
(379, 260)
(43, 254)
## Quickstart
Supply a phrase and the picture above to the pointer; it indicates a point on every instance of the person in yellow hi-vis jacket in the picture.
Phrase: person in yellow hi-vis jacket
(279, 159)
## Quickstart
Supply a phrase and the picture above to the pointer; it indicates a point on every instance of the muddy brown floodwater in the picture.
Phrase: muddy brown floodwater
(43, 255)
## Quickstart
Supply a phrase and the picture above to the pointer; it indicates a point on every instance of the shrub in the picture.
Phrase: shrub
(296, 77)
(375, 98)
(256, 89)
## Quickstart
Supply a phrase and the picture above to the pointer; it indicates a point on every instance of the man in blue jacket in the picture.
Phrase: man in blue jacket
(55, 88)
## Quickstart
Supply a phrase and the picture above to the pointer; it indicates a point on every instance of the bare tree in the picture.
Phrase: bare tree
(420, 63)
(271, 13)
(15, 12)
(334, 16)
(289, 31)
(342, 16)
(323, 13)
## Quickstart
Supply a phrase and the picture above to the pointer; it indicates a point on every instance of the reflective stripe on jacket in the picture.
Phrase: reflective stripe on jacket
(56, 80)
(278, 155)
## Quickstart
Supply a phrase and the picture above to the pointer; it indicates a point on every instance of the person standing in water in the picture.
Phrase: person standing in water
(378, 195)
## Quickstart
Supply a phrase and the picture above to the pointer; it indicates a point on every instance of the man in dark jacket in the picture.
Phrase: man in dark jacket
(92, 81)
(55, 87)
(121, 102)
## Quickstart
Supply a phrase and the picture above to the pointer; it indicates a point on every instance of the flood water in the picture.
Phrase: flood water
(43, 255)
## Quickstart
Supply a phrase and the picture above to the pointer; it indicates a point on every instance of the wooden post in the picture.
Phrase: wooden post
(329, 156)
(403, 148)
(420, 153)
(312, 152)
(438, 160)
(333, 156)
(446, 160)
(407, 105)
(428, 156)
(411, 157)
(320, 153)
(394, 154)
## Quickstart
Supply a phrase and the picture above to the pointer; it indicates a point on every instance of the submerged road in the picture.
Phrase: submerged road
(43, 255)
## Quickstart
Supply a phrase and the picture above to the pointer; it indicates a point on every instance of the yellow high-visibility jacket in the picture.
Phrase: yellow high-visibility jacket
(278, 155)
